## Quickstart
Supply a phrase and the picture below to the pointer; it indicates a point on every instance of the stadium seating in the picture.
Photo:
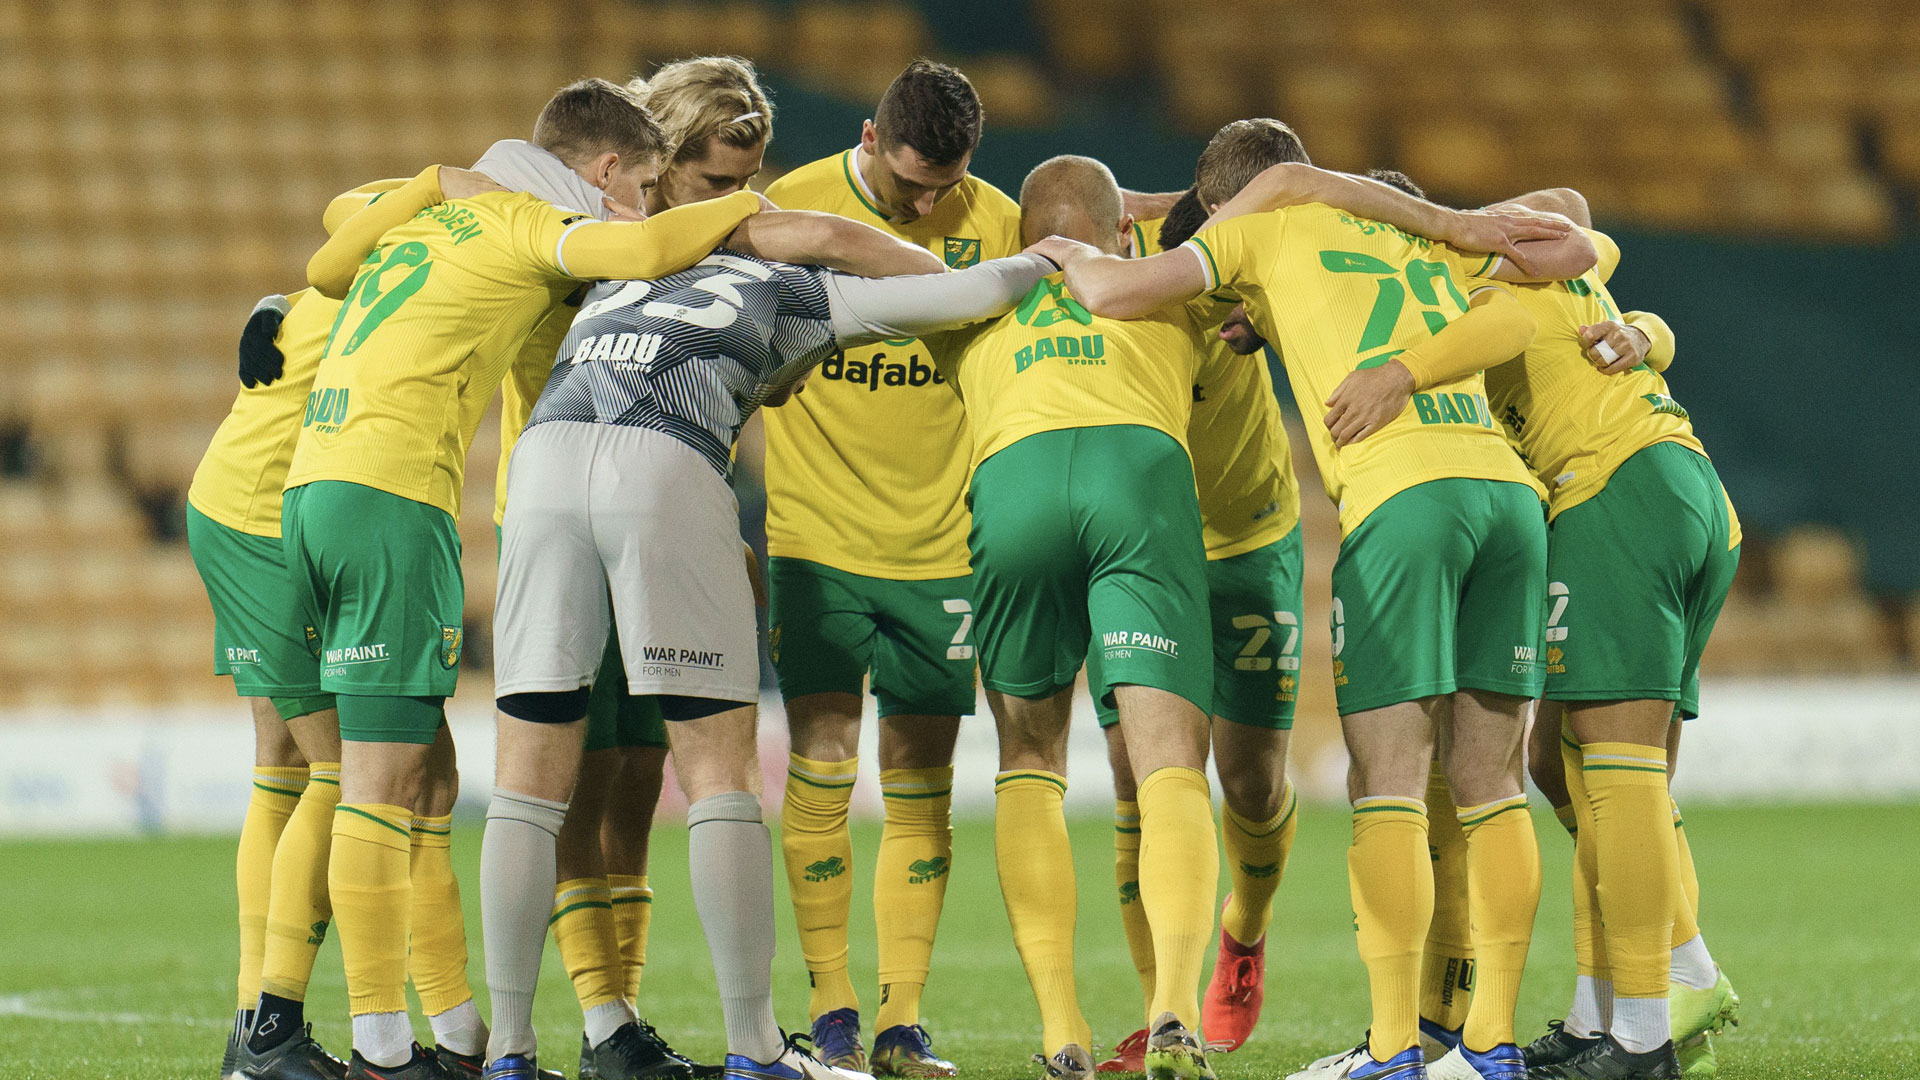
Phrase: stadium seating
(166, 161)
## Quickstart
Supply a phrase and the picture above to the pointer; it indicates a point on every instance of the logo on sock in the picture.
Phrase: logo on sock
(317, 933)
(925, 870)
(830, 867)
(1266, 870)
(1129, 892)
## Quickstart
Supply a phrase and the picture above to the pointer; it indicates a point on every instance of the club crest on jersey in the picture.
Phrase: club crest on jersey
(962, 252)
(450, 638)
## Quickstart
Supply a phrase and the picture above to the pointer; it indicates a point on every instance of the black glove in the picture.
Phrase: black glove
(260, 359)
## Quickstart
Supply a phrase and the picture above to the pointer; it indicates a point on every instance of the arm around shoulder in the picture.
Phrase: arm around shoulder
(332, 268)
(660, 245)
(1660, 340)
(810, 237)
(1495, 329)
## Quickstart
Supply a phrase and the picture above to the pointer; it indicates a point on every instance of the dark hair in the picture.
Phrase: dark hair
(933, 109)
(1241, 151)
(593, 117)
(1394, 178)
(1183, 219)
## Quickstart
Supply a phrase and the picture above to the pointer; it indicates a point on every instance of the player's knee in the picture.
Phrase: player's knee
(546, 707)
(1254, 794)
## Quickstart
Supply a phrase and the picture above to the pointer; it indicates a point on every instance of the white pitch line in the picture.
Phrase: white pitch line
(24, 1006)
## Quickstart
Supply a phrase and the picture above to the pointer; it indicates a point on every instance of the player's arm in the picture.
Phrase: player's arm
(1117, 288)
(1494, 330)
(868, 310)
(663, 244)
(349, 203)
(1639, 337)
(1516, 233)
(332, 269)
(809, 237)
(1142, 206)
(1566, 202)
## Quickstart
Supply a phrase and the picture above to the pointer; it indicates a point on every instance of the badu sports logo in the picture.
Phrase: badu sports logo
(830, 867)
(1119, 644)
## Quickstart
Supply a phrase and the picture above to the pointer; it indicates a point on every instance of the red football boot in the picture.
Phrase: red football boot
(1235, 994)
(1129, 1057)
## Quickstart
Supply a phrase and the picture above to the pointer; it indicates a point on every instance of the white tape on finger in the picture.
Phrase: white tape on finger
(1605, 352)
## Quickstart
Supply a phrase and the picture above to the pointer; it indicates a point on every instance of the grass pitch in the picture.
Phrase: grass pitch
(116, 957)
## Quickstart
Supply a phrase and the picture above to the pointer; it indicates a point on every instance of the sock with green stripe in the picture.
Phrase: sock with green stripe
(910, 885)
(818, 851)
(518, 872)
(298, 907)
(1503, 894)
(1035, 861)
(1390, 876)
(632, 919)
(1126, 874)
(1256, 861)
(367, 877)
(1638, 861)
(275, 796)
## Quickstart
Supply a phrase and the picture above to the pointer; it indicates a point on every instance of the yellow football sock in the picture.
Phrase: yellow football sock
(298, 910)
(1569, 819)
(1126, 872)
(1503, 895)
(1446, 969)
(1256, 861)
(1589, 937)
(1390, 876)
(372, 894)
(437, 960)
(632, 917)
(910, 885)
(276, 792)
(1638, 862)
(1179, 883)
(582, 924)
(1686, 916)
(819, 856)
(1035, 862)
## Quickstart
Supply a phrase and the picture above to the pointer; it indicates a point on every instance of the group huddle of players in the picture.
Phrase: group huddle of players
(1023, 439)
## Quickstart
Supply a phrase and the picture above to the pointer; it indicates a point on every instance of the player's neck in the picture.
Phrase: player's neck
(863, 172)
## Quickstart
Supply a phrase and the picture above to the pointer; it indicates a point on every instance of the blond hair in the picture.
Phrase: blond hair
(705, 98)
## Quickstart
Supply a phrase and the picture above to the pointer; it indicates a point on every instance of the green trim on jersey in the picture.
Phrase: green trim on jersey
(846, 165)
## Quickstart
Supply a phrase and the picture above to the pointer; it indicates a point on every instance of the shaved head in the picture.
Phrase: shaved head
(1071, 196)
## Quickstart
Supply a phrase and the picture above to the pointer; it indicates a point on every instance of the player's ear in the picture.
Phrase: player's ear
(1126, 235)
(600, 171)
(869, 137)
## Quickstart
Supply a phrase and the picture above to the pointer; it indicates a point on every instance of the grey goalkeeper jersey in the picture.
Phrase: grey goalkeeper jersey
(693, 354)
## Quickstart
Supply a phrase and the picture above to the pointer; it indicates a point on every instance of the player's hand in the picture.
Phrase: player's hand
(1613, 347)
(1061, 251)
(1503, 231)
(1368, 400)
(465, 183)
(754, 579)
(261, 361)
(619, 211)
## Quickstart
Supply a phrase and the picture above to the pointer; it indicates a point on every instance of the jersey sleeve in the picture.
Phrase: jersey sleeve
(1659, 334)
(1608, 251)
(1230, 251)
(349, 203)
(865, 310)
(589, 250)
(1492, 332)
(332, 268)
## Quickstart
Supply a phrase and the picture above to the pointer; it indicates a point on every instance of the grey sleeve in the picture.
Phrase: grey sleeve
(865, 310)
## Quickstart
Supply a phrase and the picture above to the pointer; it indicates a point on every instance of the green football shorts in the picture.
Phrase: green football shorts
(615, 718)
(828, 629)
(378, 581)
(1255, 601)
(1088, 540)
(1637, 575)
(1442, 588)
(257, 635)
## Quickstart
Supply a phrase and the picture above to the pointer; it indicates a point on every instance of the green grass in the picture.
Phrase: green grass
(116, 957)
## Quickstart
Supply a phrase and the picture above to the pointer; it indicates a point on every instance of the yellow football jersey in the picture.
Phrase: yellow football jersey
(1335, 293)
(1049, 364)
(443, 307)
(239, 479)
(1573, 425)
(1242, 462)
(866, 469)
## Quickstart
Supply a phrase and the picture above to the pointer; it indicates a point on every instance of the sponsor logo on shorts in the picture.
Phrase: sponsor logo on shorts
(1523, 659)
(830, 867)
(313, 641)
(358, 654)
(1289, 688)
(236, 655)
(669, 660)
(1120, 644)
(450, 640)
(1556, 660)
(924, 870)
(773, 643)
